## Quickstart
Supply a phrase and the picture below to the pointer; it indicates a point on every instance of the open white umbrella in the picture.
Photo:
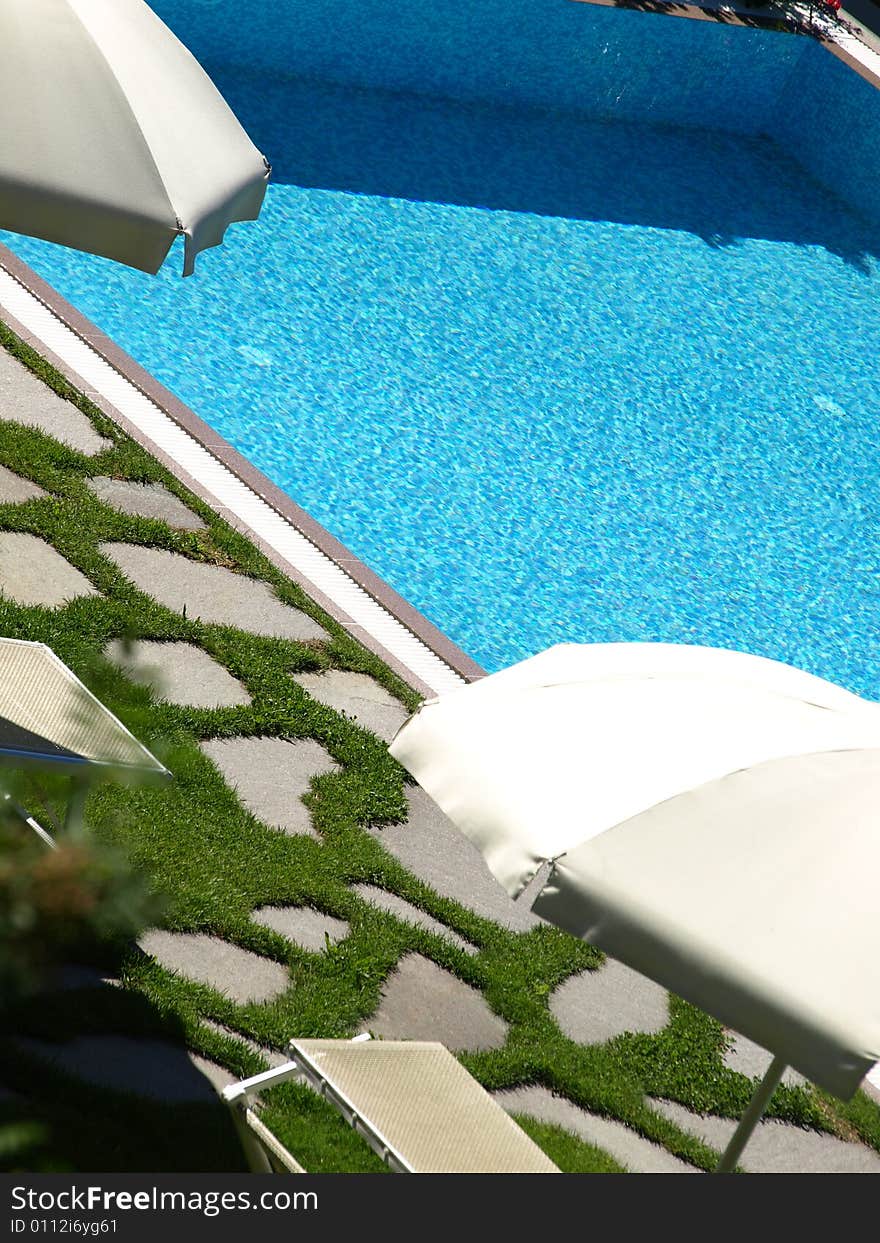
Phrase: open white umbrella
(712, 819)
(114, 140)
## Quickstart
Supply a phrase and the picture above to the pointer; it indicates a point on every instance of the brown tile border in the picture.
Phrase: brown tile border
(199, 430)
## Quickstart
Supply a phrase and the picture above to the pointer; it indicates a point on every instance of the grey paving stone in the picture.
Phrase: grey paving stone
(410, 914)
(430, 846)
(32, 572)
(595, 1006)
(26, 399)
(14, 489)
(775, 1147)
(270, 1056)
(179, 672)
(633, 1151)
(527, 896)
(145, 500)
(152, 1068)
(238, 974)
(750, 1059)
(302, 925)
(359, 697)
(270, 776)
(211, 593)
(218, 1076)
(421, 1001)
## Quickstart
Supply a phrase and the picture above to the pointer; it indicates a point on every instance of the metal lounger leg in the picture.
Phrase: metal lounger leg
(256, 1138)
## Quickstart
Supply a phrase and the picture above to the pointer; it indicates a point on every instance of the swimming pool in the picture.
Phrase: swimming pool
(555, 362)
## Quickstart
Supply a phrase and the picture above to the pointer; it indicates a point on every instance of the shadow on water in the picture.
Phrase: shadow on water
(720, 186)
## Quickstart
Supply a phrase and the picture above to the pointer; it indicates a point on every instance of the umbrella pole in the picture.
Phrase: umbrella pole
(747, 1123)
(28, 819)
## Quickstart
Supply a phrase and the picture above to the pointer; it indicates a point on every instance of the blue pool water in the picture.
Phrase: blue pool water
(554, 374)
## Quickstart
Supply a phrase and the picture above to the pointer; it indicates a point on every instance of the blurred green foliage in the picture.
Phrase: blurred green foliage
(56, 904)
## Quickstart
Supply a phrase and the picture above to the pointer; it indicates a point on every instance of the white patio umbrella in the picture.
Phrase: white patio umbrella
(712, 819)
(114, 140)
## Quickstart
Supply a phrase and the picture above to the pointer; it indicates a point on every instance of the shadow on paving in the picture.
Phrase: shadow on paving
(95, 1079)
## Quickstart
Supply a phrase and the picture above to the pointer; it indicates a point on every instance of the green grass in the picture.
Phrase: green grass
(570, 1154)
(213, 863)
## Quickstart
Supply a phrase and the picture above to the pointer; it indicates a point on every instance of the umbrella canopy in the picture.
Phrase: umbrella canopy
(115, 141)
(712, 819)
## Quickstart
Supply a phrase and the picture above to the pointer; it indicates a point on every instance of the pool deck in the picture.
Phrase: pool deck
(845, 36)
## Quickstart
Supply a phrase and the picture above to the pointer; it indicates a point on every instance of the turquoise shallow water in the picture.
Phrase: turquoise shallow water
(552, 378)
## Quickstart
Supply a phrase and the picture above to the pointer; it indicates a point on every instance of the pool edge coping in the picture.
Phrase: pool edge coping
(841, 40)
(380, 592)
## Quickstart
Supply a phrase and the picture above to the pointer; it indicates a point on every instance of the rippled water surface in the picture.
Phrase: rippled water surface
(554, 379)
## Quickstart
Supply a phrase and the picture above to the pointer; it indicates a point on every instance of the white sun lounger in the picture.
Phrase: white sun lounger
(412, 1101)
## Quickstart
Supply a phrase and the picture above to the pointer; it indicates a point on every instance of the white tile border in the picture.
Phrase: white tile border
(226, 490)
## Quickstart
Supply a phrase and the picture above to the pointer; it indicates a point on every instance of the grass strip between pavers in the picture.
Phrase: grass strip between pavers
(213, 863)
